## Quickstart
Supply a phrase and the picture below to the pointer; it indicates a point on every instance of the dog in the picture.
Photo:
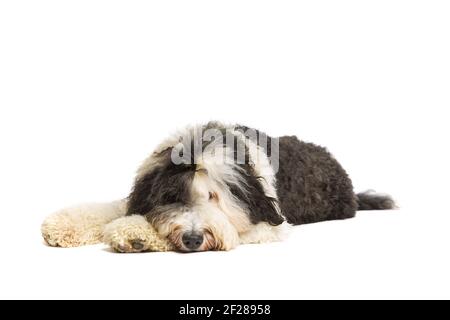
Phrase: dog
(215, 186)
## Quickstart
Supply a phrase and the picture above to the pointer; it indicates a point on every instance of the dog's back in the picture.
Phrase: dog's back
(311, 184)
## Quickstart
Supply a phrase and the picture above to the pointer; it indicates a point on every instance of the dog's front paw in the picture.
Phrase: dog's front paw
(129, 234)
(59, 231)
(68, 229)
(80, 225)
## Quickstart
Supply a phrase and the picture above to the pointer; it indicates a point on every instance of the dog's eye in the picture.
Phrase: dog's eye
(212, 196)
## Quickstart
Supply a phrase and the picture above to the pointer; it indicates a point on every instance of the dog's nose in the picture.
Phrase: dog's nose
(192, 240)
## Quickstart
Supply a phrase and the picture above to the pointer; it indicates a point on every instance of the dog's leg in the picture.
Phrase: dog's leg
(81, 225)
(132, 234)
(264, 232)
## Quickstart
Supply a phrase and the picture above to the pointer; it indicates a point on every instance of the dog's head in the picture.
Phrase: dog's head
(198, 194)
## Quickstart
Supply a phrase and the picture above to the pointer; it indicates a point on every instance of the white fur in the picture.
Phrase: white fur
(167, 143)
(202, 218)
(124, 233)
(225, 202)
(264, 232)
(81, 225)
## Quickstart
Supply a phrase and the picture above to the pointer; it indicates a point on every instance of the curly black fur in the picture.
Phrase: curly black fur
(311, 184)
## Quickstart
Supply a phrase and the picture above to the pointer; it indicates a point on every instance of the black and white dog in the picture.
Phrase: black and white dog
(215, 186)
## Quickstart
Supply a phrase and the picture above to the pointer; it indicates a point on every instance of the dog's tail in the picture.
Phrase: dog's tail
(370, 200)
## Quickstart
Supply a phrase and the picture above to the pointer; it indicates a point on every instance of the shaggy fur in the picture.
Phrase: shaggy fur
(137, 228)
(214, 187)
(312, 186)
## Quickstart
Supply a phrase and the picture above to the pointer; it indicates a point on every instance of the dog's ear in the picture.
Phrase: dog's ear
(165, 184)
(261, 207)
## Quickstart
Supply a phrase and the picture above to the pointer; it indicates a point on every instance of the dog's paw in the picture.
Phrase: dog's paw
(65, 229)
(80, 225)
(58, 231)
(129, 246)
(129, 234)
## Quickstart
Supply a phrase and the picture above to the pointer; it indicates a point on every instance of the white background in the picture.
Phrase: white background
(88, 88)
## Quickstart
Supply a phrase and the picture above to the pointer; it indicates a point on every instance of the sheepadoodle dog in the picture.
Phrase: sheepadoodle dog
(215, 186)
